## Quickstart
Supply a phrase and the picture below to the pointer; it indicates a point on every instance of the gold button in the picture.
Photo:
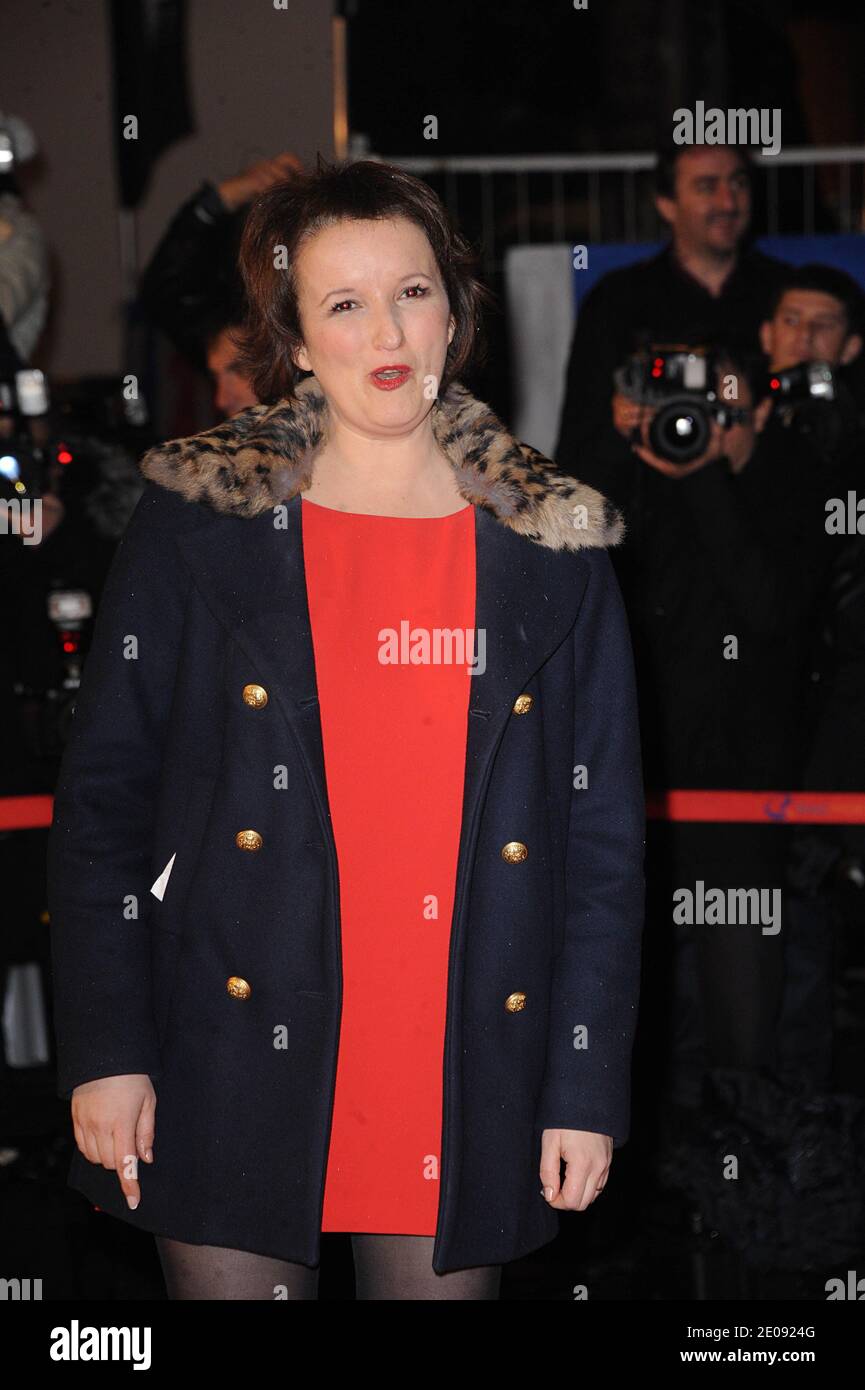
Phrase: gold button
(237, 987)
(255, 695)
(523, 703)
(248, 839)
(515, 1002)
(514, 852)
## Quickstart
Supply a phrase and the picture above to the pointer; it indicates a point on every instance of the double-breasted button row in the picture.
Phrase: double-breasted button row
(514, 852)
(239, 988)
(256, 697)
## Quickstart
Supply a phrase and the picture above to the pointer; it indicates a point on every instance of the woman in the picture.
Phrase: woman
(346, 868)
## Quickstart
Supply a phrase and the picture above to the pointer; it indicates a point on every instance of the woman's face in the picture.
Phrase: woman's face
(371, 297)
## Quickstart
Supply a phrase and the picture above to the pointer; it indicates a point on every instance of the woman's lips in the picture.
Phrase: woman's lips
(391, 382)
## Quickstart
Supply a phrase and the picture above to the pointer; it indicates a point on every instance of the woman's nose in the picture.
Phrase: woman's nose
(386, 330)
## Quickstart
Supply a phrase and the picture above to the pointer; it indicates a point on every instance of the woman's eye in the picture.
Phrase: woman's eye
(422, 291)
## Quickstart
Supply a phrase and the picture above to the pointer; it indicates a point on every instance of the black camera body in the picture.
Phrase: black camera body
(814, 400)
(680, 384)
(23, 399)
(807, 382)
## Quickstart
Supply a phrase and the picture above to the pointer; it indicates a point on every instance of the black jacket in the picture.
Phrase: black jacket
(716, 558)
(191, 281)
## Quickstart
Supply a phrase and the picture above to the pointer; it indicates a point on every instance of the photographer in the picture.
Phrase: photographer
(816, 319)
(703, 286)
(191, 287)
(818, 316)
(728, 565)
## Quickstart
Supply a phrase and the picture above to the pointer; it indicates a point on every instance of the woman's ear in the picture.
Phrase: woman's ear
(452, 328)
(301, 359)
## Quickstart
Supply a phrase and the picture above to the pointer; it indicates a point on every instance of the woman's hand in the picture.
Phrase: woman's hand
(587, 1165)
(113, 1119)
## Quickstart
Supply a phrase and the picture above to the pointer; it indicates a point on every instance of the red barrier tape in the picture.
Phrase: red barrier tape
(25, 812)
(769, 808)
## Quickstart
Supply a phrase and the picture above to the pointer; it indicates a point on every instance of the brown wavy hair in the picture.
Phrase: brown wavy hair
(291, 211)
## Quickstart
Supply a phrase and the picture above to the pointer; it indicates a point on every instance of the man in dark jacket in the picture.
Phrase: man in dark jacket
(818, 314)
(704, 286)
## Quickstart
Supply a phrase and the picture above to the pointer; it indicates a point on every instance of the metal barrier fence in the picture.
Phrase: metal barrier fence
(504, 200)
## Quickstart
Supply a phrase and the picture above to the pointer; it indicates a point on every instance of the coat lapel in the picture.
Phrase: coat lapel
(251, 574)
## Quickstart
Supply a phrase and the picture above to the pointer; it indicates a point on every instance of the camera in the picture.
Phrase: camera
(680, 384)
(808, 381)
(814, 399)
(23, 410)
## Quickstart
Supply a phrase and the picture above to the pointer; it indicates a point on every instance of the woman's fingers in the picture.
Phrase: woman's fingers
(550, 1169)
(587, 1158)
(145, 1131)
(126, 1163)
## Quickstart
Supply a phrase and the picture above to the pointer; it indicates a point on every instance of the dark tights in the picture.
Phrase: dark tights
(385, 1266)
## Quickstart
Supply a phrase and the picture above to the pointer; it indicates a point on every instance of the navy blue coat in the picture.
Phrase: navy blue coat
(155, 909)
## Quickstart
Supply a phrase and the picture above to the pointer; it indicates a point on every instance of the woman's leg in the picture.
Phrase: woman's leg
(400, 1267)
(213, 1271)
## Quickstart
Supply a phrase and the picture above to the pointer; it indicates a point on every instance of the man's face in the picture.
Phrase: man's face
(711, 208)
(808, 326)
(232, 391)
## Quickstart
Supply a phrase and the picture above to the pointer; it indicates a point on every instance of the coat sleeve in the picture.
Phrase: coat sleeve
(596, 976)
(100, 841)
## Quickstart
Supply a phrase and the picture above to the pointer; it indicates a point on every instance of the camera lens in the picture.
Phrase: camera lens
(680, 431)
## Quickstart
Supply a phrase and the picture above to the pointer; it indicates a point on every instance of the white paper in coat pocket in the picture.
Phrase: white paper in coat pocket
(159, 887)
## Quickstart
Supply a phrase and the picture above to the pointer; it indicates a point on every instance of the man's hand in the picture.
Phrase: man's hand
(627, 414)
(587, 1159)
(243, 187)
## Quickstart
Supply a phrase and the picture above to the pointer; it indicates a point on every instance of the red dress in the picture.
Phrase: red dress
(394, 738)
